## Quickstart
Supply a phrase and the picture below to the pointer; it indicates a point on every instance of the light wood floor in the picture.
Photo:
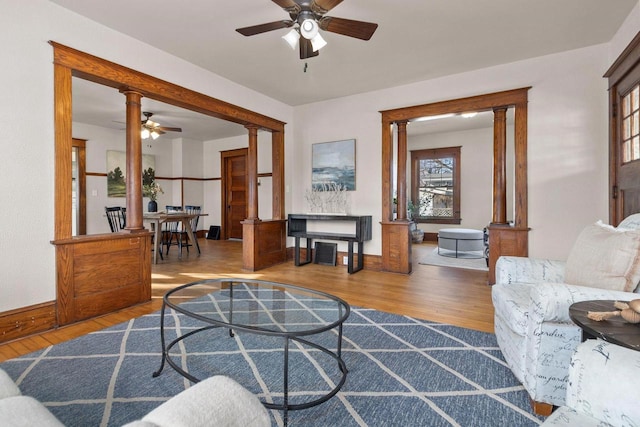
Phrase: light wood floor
(446, 295)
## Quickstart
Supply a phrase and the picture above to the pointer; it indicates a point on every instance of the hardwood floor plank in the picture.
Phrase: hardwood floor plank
(440, 294)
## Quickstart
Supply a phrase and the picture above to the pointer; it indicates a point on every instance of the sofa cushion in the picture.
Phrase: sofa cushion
(215, 401)
(25, 411)
(605, 257)
(7, 387)
(632, 222)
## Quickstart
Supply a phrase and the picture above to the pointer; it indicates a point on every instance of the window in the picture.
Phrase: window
(631, 125)
(435, 185)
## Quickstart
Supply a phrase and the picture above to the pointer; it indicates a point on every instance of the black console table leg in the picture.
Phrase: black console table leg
(350, 268)
(307, 258)
(350, 258)
(360, 256)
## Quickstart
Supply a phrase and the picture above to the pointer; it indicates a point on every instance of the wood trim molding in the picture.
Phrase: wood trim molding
(108, 73)
(515, 98)
(27, 321)
(183, 178)
(625, 62)
(68, 63)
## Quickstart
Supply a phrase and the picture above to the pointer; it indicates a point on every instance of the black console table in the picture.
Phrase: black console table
(297, 226)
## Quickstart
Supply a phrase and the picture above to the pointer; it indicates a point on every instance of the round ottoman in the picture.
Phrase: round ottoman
(461, 242)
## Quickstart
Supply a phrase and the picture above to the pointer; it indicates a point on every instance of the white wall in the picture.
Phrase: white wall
(625, 34)
(567, 129)
(26, 120)
(567, 133)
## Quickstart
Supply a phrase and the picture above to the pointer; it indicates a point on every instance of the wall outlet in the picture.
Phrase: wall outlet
(345, 260)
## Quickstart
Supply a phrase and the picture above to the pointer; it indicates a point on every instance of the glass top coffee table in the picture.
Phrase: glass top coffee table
(291, 315)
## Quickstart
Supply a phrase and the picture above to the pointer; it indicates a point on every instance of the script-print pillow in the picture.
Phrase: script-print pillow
(605, 257)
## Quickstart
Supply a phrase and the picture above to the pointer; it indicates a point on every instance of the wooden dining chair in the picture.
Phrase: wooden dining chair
(169, 227)
(180, 233)
(115, 218)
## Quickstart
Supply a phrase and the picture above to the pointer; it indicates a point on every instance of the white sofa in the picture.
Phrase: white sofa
(602, 388)
(531, 300)
(216, 401)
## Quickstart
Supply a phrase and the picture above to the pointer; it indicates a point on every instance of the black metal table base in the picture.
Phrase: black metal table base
(456, 239)
(285, 406)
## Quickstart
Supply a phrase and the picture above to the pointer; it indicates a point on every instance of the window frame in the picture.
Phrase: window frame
(430, 154)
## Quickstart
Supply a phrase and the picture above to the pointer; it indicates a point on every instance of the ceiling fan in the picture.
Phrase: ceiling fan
(153, 129)
(307, 17)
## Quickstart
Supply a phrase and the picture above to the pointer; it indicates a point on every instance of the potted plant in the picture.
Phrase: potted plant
(151, 191)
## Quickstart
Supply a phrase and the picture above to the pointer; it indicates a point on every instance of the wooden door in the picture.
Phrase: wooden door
(624, 133)
(234, 192)
(626, 149)
(79, 186)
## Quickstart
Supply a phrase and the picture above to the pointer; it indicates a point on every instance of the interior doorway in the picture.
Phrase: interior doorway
(78, 187)
(234, 192)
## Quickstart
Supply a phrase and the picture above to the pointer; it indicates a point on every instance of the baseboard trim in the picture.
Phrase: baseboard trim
(26, 321)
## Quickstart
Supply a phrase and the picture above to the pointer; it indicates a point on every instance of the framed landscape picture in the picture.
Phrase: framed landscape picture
(116, 172)
(334, 163)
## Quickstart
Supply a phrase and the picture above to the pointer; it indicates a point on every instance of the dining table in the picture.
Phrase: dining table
(156, 219)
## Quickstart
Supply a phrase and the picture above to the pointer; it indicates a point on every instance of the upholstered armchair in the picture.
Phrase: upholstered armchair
(531, 299)
(602, 388)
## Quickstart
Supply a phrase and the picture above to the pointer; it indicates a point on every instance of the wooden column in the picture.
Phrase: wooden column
(264, 243)
(396, 238)
(134, 162)
(402, 171)
(387, 171)
(252, 174)
(277, 175)
(499, 166)
(63, 141)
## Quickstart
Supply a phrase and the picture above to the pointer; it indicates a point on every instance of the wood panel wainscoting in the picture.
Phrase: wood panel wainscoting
(396, 247)
(82, 293)
(270, 243)
(100, 274)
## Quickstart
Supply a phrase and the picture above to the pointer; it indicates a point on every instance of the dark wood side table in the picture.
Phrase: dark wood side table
(614, 330)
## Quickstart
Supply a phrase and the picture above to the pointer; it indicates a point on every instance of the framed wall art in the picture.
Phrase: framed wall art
(333, 165)
(116, 171)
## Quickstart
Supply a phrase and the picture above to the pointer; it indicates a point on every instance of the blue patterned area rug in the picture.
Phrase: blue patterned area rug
(402, 372)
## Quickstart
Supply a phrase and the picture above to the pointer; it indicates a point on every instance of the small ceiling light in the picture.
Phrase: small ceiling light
(145, 133)
(292, 38)
(427, 118)
(318, 42)
(469, 115)
(154, 134)
(309, 29)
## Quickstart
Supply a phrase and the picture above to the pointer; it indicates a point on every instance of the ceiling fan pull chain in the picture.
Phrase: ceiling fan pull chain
(305, 67)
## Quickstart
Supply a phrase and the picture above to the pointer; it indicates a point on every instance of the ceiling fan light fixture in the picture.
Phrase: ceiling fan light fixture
(145, 133)
(154, 134)
(318, 42)
(309, 29)
(292, 38)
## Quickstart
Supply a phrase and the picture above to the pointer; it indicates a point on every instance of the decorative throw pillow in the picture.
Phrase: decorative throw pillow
(605, 257)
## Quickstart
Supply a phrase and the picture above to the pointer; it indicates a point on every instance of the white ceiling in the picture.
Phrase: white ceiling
(416, 40)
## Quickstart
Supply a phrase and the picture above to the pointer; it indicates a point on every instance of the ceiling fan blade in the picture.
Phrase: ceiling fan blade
(288, 5)
(306, 49)
(168, 129)
(323, 6)
(263, 28)
(348, 27)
